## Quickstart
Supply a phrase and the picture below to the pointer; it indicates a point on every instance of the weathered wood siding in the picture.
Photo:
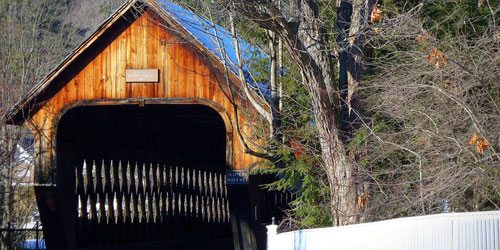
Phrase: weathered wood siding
(186, 76)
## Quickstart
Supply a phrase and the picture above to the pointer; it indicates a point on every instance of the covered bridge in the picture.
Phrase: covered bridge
(135, 133)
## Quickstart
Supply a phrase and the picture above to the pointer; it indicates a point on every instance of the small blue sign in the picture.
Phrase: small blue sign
(237, 177)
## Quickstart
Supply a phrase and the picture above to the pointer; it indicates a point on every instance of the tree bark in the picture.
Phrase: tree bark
(306, 42)
(358, 49)
(353, 20)
(275, 97)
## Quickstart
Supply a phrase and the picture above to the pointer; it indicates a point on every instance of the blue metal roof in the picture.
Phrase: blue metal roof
(205, 32)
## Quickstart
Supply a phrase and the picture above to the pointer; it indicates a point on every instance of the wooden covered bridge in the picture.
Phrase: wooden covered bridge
(135, 133)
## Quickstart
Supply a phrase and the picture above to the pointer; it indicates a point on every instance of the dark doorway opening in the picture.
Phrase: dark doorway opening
(187, 135)
(150, 177)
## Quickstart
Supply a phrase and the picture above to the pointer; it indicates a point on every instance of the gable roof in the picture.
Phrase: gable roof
(195, 29)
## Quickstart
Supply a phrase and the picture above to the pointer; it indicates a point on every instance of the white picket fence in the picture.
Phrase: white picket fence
(452, 231)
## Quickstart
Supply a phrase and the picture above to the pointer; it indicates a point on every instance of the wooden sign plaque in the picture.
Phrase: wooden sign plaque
(142, 75)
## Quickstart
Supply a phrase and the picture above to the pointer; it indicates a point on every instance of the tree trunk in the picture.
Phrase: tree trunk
(307, 43)
(353, 19)
(275, 97)
(358, 50)
(315, 62)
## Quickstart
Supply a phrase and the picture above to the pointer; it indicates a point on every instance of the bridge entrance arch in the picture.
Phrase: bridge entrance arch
(132, 174)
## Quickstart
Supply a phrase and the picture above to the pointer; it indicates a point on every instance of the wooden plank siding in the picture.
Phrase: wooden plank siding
(186, 76)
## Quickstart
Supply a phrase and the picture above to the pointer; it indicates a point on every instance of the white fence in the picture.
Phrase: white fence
(453, 231)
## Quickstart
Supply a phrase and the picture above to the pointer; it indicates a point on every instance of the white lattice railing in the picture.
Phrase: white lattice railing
(453, 231)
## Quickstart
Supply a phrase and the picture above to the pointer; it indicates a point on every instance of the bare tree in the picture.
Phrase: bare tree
(306, 38)
(431, 134)
(86, 15)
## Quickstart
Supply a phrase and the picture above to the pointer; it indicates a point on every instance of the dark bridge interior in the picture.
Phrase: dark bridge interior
(154, 177)
(187, 135)
(147, 177)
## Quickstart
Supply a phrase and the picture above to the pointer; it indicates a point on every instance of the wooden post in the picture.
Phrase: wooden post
(241, 218)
